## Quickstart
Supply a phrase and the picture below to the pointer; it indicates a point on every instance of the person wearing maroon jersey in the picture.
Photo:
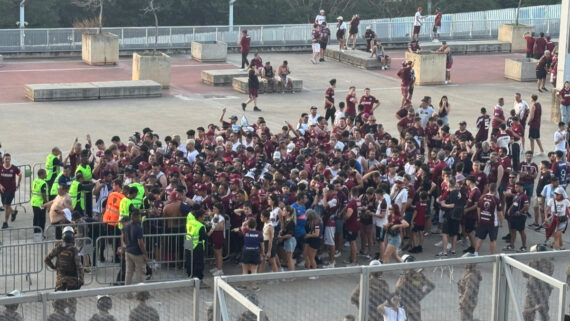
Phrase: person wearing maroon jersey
(406, 122)
(462, 134)
(369, 102)
(352, 223)
(315, 38)
(539, 46)
(534, 119)
(244, 45)
(405, 74)
(353, 31)
(324, 40)
(564, 96)
(516, 132)
(506, 163)
(329, 102)
(542, 68)
(529, 38)
(517, 217)
(550, 45)
(437, 25)
(471, 211)
(528, 171)
(498, 116)
(10, 178)
(483, 123)
(351, 102)
(257, 62)
(495, 170)
(490, 218)
(480, 176)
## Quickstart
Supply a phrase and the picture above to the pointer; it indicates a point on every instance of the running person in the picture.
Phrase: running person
(10, 178)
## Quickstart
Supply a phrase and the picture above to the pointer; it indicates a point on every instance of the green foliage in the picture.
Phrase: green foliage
(62, 13)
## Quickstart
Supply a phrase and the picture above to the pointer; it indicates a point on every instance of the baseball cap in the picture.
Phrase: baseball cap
(68, 229)
(559, 190)
(290, 147)
(375, 263)
(277, 155)
(368, 27)
(339, 18)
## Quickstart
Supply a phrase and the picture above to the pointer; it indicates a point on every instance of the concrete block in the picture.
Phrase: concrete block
(100, 49)
(209, 51)
(151, 67)
(62, 92)
(429, 67)
(513, 34)
(128, 89)
(221, 77)
(357, 58)
(1, 60)
(555, 114)
(521, 69)
(240, 84)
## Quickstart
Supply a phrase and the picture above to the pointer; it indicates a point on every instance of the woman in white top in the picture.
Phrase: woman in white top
(558, 206)
(340, 33)
(391, 309)
(269, 243)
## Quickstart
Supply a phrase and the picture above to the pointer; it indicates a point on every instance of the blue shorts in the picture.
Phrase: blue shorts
(290, 244)
(528, 189)
(395, 241)
(339, 224)
(380, 233)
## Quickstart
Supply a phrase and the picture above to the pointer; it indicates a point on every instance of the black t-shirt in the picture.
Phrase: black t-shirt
(133, 233)
(289, 228)
(455, 197)
(543, 180)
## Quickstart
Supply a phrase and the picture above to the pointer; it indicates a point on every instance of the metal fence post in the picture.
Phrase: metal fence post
(500, 292)
(44, 306)
(216, 33)
(146, 36)
(216, 303)
(562, 302)
(73, 37)
(47, 38)
(196, 310)
(261, 35)
(170, 36)
(363, 298)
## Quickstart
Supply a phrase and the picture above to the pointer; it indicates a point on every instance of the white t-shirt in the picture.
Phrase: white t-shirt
(381, 221)
(548, 193)
(342, 26)
(418, 19)
(560, 208)
(192, 156)
(521, 108)
(400, 198)
(313, 120)
(425, 114)
(391, 315)
(274, 217)
(562, 144)
(320, 19)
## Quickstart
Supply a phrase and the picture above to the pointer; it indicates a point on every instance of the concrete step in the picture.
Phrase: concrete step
(240, 84)
(93, 90)
(357, 58)
(221, 77)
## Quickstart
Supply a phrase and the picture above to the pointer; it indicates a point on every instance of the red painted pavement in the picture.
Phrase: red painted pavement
(466, 69)
(14, 75)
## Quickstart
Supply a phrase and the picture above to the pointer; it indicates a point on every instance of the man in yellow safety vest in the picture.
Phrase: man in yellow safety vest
(53, 166)
(37, 201)
(196, 237)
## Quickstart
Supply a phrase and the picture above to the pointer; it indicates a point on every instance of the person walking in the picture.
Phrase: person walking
(437, 25)
(244, 45)
(132, 241)
(341, 33)
(253, 85)
(418, 22)
(564, 96)
(315, 39)
(10, 178)
(534, 119)
(37, 201)
(324, 40)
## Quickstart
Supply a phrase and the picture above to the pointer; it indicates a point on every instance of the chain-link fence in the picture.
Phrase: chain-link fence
(461, 26)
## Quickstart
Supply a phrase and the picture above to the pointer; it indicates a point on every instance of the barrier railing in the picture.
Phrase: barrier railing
(178, 300)
(22, 266)
(18, 235)
(468, 25)
(24, 192)
(227, 296)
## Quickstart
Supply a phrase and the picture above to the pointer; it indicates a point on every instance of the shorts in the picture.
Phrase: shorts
(350, 236)
(380, 234)
(418, 228)
(483, 230)
(353, 30)
(541, 74)
(290, 244)
(405, 90)
(470, 224)
(395, 241)
(517, 222)
(340, 34)
(252, 92)
(561, 226)
(534, 133)
(284, 78)
(408, 216)
(329, 235)
(323, 45)
(528, 190)
(339, 225)
(313, 242)
(450, 227)
(273, 251)
(7, 198)
(316, 47)
(251, 257)
(218, 240)
(448, 66)
(436, 29)
(417, 30)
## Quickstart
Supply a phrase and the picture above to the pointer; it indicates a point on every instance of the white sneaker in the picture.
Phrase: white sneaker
(329, 266)
(301, 263)
(218, 273)
(313, 277)
(337, 254)
(212, 270)
(440, 243)
(446, 82)
(346, 244)
(448, 246)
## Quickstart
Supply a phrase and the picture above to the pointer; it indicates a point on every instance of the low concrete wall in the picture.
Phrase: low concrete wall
(221, 77)
(100, 49)
(1, 60)
(513, 34)
(93, 90)
(471, 47)
(240, 84)
(357, 58)
(151, 67)
(209, 51)
(523, 69)
(429, 67)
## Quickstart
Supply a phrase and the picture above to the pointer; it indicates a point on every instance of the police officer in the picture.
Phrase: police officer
(537, 291)
(143, 311)
(59, 312)
(468, 288)
(378, 293)
(11, 314)
(195, 244)
(104, 304)
(412, 287)
(37, 201)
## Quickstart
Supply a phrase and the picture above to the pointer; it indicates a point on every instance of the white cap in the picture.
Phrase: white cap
(219, 138)
(68, 229)
(559, 190)
(339, 146)
(375, 263)
(15, 293)
(277, 155)
(339, 18)
(250, 174)
(290, 147)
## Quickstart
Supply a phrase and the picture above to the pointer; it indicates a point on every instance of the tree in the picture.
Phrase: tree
(152, 9)
(93, 4)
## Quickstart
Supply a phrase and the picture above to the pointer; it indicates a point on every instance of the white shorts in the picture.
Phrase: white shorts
(329, 235)
(286, 79)
(316, 47)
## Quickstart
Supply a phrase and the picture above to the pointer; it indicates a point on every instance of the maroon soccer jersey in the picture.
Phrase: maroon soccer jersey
(350, 105)
(530, 169)
(497, 113)
(489, 205)
(472, 199)
(352, 224)
(329, 95)
(483, 123)
(8, 177)
(368, 103)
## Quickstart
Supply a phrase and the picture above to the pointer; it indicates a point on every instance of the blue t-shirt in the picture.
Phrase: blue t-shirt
(252, 240)
(133, 233)
(301, 219)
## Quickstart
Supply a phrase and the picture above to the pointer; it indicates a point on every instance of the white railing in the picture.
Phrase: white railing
(463, 26)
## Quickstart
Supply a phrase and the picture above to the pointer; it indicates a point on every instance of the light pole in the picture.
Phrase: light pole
(231, 15)
(22, 23)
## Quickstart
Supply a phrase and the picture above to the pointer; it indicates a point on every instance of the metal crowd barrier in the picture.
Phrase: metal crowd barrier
(24, 193)
(177, 300)
(18, 235)
(22, 265)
